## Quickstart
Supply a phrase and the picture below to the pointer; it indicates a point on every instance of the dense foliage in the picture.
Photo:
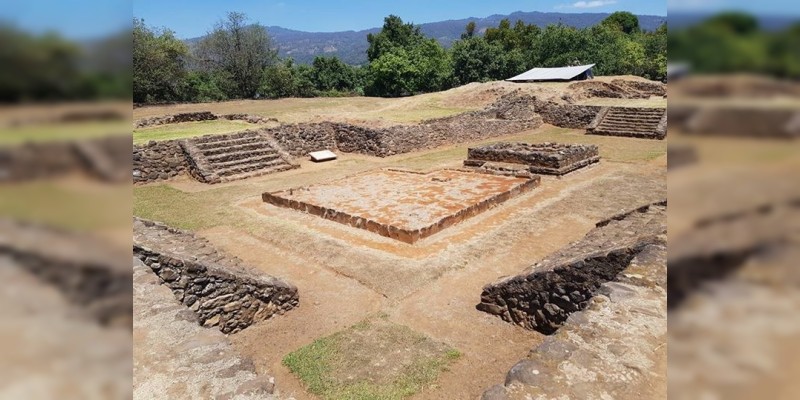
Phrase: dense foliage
(734, 42)
(48, 67)
(238, 60)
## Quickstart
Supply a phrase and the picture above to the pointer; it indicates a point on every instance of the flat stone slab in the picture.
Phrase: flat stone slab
(323, 155)
(404, 205)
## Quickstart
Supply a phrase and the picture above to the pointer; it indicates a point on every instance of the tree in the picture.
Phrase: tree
(624, 21)
(394, 34)
(331, 74)
(242, 51)
(158, 64)
(469, 31)
(475, 60)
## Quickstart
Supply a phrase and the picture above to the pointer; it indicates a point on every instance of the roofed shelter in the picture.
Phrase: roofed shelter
(575, 73)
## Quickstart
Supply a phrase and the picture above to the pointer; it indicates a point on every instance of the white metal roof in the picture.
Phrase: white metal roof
(551, 74)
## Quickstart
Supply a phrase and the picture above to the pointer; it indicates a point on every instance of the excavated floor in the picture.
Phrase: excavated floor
(403, 205)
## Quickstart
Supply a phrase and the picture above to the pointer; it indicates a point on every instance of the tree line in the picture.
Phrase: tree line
(238, 60)
(735, 42)
(49, 67)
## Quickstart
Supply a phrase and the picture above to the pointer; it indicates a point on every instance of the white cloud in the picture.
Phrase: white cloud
(589, 4)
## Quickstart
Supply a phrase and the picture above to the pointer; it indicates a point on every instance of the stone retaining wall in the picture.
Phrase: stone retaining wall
(543, 297)
(220, 290)
(82, 268)
(158, 161)
(199, 116)
(36, 160)
(566, 115)
(552, 158)
(620, 336)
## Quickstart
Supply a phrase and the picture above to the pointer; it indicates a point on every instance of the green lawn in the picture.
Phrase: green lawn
(67, 205)
(188, 129)
(10, 136)
(372, 360)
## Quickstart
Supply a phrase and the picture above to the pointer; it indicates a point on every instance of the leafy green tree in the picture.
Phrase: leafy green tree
(243, 51)
(392, 75)
(159, 71)
(393, 35)
(202, 86)
(623, 20)
(331, 74)
(475, 60)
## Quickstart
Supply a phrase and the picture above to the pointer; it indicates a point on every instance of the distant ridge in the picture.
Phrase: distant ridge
(351, 46)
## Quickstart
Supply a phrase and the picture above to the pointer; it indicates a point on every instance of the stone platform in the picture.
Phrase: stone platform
(404, 205)
(535, 158)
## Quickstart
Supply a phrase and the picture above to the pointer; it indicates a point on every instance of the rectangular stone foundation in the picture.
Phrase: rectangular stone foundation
(536, 158)
(404, 205)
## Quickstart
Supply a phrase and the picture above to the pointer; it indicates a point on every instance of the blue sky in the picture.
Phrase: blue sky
(194, 18)
(76, 19)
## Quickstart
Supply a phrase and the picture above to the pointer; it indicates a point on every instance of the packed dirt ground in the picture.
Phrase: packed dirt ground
(346, 275)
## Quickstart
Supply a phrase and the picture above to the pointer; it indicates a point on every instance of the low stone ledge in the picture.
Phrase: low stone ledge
(543, 297)
(82, 268)
(620, 336)
(541, 158)
(219, 290)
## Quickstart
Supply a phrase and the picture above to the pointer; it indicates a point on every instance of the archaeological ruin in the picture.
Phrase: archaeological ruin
(217, 287)
(646, 123)
(404, 205)
(536, 158)
(404, 231)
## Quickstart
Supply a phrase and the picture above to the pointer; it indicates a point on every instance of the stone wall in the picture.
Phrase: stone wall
(158, 161)
(104, 158)
(199, 116)
(566, 115)
(83, 269)
(205, 366)
(546, 157)
(620, 336)
(542, 297)
(217, 287)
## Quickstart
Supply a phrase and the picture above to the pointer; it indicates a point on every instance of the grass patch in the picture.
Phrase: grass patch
(374, 359)
(10, 136)
(67, 204)
(188, 129)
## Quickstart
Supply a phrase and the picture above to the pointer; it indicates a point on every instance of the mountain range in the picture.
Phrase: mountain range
(351, 46)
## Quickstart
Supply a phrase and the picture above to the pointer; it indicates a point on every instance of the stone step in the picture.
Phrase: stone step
(258, 172)
(218, 138)
(623, 129)
(235, 148)
(235, 155)
(637, 111)
(247, 160)
(228, 142)
(654, 120)
(629, 124)
(239, 169)
(647, 135)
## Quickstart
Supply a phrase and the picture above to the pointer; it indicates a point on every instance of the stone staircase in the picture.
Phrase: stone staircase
(647, 123)
(242, 155)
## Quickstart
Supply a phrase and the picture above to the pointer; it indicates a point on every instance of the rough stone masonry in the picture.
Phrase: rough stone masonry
(542, 297)
(217, 287)
(540, 158)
